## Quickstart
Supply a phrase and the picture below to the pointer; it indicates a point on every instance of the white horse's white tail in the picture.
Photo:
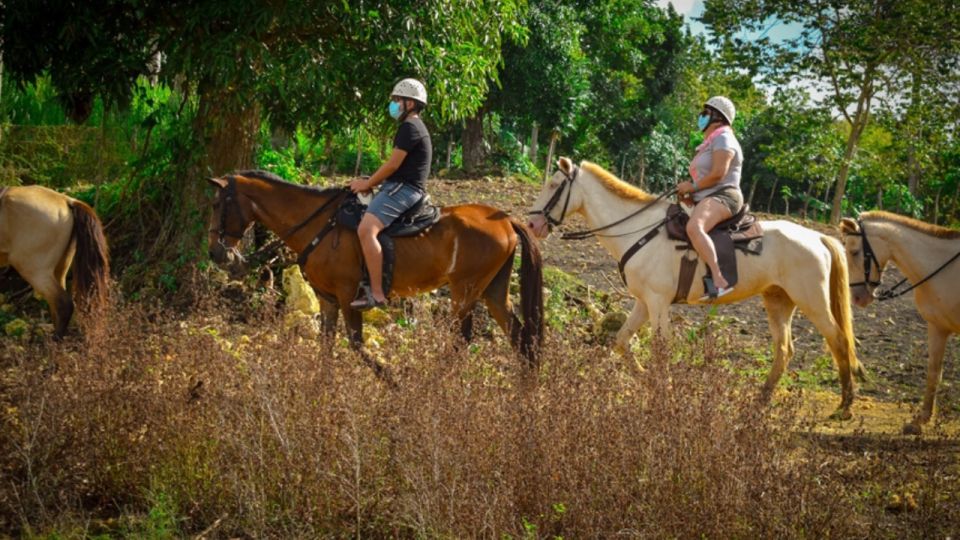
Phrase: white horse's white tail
(840, 304)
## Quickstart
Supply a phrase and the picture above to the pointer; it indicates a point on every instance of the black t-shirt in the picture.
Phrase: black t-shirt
(413, 137)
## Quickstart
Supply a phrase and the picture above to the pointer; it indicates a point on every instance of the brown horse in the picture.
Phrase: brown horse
(40, 232)
(471, 249)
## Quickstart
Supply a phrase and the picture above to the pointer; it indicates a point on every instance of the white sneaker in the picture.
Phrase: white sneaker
(722, 291)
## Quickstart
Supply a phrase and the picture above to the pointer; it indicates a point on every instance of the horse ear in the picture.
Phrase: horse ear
(848, 226)
(565, 165)
(218, 182)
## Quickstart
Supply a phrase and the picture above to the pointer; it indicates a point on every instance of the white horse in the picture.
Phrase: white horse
(797, 268)
(926, 254)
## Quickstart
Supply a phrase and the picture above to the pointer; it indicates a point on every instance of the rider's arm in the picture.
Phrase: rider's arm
(389, 167)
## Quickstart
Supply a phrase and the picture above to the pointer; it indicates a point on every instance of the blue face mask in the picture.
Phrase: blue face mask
(703, 121)
(394, 110)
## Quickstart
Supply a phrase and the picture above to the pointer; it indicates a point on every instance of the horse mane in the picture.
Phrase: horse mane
(915, 224)
(616, 185)
(272, 178)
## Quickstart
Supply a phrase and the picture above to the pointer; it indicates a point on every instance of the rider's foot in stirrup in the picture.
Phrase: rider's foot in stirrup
(713, 291)
(367, 301)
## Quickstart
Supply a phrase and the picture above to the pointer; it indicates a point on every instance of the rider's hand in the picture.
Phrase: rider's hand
(685, 188)
(360, 185)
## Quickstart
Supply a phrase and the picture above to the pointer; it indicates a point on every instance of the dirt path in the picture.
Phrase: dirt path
(891, 335)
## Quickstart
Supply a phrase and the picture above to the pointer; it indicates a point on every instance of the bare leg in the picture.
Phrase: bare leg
(370, 227)
(706, 215)
(936, 343)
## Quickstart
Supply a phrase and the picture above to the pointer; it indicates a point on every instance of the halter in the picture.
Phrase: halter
(548, 208)
(869, 261)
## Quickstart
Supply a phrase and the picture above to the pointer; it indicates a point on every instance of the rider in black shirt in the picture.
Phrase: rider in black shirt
(404, 178)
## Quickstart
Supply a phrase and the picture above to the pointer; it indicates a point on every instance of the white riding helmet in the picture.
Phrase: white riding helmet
(724, 106)
(411, 88)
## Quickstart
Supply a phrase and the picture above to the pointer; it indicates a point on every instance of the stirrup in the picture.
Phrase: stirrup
(365, 299)
(713, 292)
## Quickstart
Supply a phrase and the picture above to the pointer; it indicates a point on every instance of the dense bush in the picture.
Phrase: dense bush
(190, 425)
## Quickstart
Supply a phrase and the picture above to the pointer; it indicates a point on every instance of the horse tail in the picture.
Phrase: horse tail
(531, 295)
(91, 270)
(840, 303)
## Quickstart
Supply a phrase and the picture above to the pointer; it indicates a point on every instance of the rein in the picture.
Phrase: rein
(587, 233)
(892, 292)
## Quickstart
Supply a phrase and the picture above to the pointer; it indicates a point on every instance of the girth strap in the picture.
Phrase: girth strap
(305, 254)
(637, 247)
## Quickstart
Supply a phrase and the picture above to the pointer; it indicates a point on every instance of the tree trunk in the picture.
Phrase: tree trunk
(806, 200)
(472, 141)
(534, 136)
(547, 170)
(773, 192)
(330, 163)
(449, 152)
(936, 206)
(642, 182)
(356, 168)
(859, 122)
(753, 191)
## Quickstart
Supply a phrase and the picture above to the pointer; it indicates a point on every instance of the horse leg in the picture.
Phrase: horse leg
(780, 310)
(843, 356)
(936, 343)
(638, 316)
(354, 321)
(59, 301)
(329, 314)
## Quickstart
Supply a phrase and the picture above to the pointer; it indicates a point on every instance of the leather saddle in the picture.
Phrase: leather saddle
(742, 231)
(418, 218)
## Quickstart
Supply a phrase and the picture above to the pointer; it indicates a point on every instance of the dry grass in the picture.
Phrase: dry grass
(267, 434)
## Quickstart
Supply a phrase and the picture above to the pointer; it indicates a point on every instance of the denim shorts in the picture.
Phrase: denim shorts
(393, 199)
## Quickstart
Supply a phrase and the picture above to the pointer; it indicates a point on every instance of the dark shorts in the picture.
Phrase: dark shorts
(730, 196)
(393, 199)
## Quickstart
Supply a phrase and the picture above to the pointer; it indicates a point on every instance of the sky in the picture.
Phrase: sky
(776, 32)
(694, 8)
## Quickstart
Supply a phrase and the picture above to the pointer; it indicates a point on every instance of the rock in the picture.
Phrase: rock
(377, 317)
(300, 296)
(611, 322)
(305, 325)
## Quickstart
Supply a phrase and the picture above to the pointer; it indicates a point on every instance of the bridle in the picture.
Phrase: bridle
(227, 196)
(869, 261)
(567, 186)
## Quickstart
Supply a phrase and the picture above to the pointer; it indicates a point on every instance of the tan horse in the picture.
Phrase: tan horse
(40, 232)
(471, 249)
(926, 254)
(798, 267)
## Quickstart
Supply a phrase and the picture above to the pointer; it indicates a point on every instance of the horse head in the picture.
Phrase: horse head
(863, 258)
(232, 216)
(558, 198)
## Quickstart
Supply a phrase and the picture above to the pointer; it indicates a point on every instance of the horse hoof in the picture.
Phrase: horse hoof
(912, 429)
(841, 414)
